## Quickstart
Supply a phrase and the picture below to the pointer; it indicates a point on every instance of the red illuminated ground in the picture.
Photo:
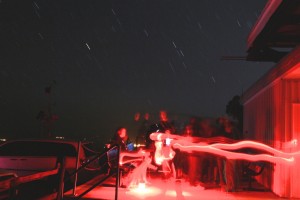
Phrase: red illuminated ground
(159, 189)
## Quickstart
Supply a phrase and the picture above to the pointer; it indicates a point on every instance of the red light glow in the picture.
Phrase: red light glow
(162, 189)
(139, 186)
(137, 179)
(234, 155)
(273, 156)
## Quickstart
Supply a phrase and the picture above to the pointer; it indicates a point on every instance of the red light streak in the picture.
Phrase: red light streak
(184, 144)
(165, 143)
(163, 153)
(233, 155)
(137, 177)
(138, 155)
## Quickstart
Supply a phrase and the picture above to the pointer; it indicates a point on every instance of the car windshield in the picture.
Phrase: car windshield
(37, 148)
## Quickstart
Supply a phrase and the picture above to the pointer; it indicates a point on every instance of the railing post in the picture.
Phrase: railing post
(118, 173)
(13, 190)
(62, 169)
(77, 165)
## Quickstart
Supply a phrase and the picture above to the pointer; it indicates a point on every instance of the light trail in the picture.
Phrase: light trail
(141, 162)
(184, 144)
(166, 143)
(233, 155)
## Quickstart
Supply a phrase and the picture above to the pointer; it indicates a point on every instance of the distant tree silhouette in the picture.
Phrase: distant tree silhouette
(234, 109)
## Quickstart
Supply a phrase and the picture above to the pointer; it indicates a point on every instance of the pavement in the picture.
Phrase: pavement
(158, 189)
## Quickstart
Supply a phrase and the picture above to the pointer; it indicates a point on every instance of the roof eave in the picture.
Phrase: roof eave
(263, 19)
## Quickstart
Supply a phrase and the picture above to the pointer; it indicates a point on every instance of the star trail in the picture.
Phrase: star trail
(105, 60)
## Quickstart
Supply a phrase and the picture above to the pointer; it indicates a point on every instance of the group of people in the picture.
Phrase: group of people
(196, 168)
(203, 168)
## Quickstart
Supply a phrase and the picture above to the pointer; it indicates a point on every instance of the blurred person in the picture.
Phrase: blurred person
(164, 155)
(121, 138)
(165, 123)
(208, 160)
(143, 130)
(194, 162)
(184, 158)
(228, 173)
(162, 126)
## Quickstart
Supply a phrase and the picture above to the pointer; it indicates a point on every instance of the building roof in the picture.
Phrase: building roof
(287, 68)
(276, 32)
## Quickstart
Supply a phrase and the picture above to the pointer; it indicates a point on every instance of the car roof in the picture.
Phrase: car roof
(71, 142)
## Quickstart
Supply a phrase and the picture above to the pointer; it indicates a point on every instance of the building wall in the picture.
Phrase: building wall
(292, 131)
(268, 118)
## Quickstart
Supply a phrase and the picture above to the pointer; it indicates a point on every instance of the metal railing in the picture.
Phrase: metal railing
(113, 168)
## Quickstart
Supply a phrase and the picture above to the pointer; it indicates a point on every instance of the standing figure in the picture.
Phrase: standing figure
(164, 155)
(143, 130)
(164, 122)
(228, 172)
(194, 162)
(121, 138)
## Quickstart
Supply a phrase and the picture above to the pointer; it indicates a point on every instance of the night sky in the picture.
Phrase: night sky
(106, 60)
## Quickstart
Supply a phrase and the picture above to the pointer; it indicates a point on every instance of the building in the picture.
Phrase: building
(272, 104)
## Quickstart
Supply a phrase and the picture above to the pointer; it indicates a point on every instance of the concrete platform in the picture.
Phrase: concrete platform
(159, 189)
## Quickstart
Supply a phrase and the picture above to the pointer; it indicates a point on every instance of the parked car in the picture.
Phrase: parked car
(29, 156)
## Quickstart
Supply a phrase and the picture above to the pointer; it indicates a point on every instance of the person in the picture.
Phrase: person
(227, 167)
(142, 131)
(162, 126)
(121, 138)
(194, 162)
(164, 155)
(207, 160)
(164, 122)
